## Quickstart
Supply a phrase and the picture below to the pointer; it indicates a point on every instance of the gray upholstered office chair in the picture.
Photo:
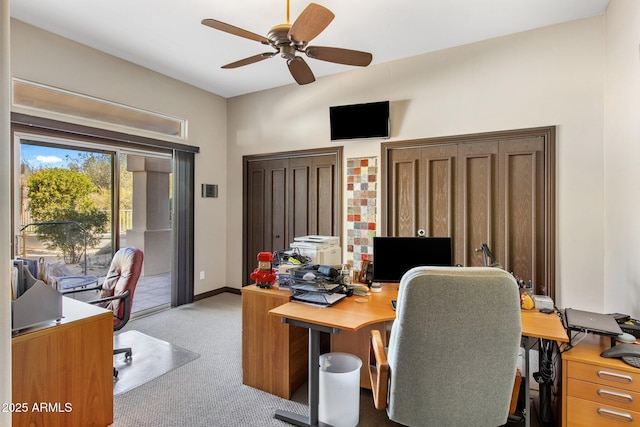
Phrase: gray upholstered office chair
(453, 348)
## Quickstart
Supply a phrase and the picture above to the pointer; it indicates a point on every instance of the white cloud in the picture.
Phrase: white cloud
(48, 159)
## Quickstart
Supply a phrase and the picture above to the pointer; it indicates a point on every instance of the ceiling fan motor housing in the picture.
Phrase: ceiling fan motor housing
(279, 38)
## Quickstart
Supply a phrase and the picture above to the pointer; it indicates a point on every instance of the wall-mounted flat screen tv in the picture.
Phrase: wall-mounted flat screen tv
(394, 256)
(358, 121)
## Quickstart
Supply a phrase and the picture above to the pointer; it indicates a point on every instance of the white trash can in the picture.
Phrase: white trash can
(339, 394)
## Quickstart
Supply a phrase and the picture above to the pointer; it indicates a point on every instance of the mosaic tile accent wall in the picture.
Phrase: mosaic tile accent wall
(362, 189)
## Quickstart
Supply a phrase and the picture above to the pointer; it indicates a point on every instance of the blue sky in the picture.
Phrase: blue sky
(38, 156)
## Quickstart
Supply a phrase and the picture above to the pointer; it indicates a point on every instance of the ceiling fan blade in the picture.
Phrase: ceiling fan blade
(300, 71)
(313, 19)
(227, 28)
(250, 60)
(338, 55)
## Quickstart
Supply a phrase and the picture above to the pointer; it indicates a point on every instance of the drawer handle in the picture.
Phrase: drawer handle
(618, 397)
(615, 415)
(612, 376)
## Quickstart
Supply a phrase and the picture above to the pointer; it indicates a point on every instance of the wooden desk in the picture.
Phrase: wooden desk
(598, 391)
(274, 355)
(351, 316)
(62, 374)
(355, 317)
(538, 326)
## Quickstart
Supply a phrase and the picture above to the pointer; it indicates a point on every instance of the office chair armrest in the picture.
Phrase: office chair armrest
(75, 291)
(126, 300)
(378, 370)
(123, 295)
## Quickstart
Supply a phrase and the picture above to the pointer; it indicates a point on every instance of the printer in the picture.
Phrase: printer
(323, 250)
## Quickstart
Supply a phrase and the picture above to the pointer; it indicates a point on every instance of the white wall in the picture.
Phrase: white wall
(549, 76)
(43, 57)
(622, 158)
(5, 212)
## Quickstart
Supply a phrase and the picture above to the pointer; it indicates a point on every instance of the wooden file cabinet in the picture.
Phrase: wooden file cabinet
(274, 355)
(62, 374)
(598, 391)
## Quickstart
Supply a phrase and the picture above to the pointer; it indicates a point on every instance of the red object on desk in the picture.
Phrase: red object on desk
(264, 275)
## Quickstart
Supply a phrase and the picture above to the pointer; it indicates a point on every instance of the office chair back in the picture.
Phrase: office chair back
(454, 346)
(121, 281)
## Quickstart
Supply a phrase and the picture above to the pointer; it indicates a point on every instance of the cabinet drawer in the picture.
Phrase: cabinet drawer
(584, 413)
(605, 376)
(604, 394)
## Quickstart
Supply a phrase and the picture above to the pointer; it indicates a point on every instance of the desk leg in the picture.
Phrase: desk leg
(527, 391)
(314, 386)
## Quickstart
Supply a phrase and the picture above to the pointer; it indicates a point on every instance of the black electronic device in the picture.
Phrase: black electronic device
(394, 303)
(359, 121)
(394, 256)
(620, 318)
(631, 326)
(629, 353)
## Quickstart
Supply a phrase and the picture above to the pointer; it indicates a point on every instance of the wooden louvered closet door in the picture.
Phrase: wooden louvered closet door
(289, 195)
(491, 188)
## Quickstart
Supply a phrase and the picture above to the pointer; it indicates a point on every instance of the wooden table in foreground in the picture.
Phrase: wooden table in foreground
(351, 320)
(348, 316)
(62, 373)
(275, 354)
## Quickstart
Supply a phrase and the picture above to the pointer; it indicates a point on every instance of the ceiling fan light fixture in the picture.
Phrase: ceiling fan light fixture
(288, 52)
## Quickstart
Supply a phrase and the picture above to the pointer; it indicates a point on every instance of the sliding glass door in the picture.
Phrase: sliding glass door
(77, 203)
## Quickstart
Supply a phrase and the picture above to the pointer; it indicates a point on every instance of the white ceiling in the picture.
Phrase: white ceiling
(167, 36)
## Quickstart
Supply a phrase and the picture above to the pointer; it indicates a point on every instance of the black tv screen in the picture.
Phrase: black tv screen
(394, 256)
(357, 121)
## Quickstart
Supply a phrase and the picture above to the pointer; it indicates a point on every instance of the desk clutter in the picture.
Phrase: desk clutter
(528, 298)
(319, 284)
(306, 250)
(311, 269)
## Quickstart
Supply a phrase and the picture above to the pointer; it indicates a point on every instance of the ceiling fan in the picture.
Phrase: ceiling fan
(287, 39)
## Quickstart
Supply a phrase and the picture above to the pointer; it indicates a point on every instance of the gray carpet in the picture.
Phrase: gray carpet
(208, 391)
(150, 359)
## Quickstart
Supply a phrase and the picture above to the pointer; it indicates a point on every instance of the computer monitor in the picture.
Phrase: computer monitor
(394, 256)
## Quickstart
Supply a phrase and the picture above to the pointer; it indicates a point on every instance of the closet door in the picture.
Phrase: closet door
(422, 191)
(438, 189)
(325, 205)
(477, 201)
(522, 203)
(313, 207)
(496, 188)
(289, 195)
(403, 189)
(265, 209)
